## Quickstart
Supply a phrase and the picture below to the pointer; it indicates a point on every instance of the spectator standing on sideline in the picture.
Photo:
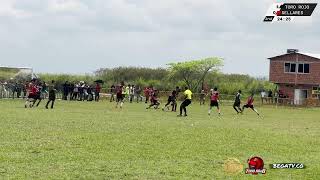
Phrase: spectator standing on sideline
(270, 96)
(90, 95)
(137, 92)
(112, 92)
(263, 96)
(97, 92)
(202, 97)
(127, 91)
(132, 90)
(65, 90)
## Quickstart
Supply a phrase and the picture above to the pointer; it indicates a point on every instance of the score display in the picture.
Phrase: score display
(279, 12)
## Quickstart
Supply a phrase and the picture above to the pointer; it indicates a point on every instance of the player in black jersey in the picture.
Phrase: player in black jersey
(237, 102)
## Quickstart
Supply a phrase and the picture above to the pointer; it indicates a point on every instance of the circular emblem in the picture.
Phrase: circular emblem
(255, 163)
(232, 166)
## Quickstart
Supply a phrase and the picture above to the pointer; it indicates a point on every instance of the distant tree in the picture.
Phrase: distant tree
(194, 72)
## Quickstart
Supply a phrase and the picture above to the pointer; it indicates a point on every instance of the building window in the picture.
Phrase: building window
(294, 68)
(303, 68)
(287, 67)
(300, 68)
(306, 68)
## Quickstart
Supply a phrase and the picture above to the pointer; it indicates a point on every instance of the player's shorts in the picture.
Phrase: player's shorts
(52, 95)
(186, 103)
(31, 96)
(236, 104)
(171, 99)
(120, 97)
(248, 106)
(214, 103)
(38, 96)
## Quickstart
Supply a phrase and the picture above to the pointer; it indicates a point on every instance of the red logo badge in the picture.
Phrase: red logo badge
(256, 165)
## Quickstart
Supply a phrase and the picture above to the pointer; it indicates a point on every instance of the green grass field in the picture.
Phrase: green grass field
(88, 140)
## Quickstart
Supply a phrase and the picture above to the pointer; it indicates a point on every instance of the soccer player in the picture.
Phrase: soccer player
(38, 95)
(214, 101)
(120, 89)
(173, 100)
(52, 94)
(154, 100)
(31, 91)
(250, 104)
(187, 96)
(237, 102)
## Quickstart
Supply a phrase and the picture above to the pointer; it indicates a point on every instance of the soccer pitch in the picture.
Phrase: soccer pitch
(89, 140)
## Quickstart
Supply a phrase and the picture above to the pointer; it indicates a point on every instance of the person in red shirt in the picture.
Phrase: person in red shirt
(120, 93)
(32, 92)
(97, 92)
(154, 100)
(146, 94)
(37, 96)
(250, 104)
(214, 101)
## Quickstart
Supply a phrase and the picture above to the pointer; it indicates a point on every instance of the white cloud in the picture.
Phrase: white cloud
(67, 6)
(7, 10)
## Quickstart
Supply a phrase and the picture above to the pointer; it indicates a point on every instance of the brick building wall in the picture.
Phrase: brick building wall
(277, 72)
(288, 90)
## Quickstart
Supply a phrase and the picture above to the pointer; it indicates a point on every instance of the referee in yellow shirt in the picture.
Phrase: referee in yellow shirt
(187, 101)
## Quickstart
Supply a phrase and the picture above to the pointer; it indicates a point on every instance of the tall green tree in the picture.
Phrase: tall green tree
(194, 72)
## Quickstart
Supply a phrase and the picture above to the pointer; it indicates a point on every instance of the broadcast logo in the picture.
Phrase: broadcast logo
(256, 166)
(287, 166)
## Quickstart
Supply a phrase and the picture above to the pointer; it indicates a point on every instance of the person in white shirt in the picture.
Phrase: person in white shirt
(263, 96)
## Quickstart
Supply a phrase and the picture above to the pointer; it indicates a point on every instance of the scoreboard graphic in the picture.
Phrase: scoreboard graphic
(287, 12)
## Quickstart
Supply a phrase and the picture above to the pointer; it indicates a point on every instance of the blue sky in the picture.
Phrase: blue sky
(80, 36)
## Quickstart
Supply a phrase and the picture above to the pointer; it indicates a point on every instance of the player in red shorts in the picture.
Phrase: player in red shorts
(214, 101)
(250, 104)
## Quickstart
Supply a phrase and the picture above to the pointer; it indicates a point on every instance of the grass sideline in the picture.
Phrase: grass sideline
(89, 140)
